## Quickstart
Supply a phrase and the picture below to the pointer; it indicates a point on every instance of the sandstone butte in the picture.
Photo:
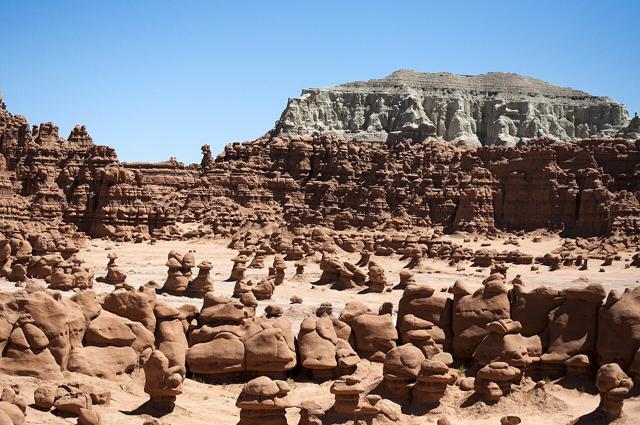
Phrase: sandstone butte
(362, 280)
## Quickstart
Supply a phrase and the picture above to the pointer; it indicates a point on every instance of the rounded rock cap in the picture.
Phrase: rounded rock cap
(422, 291)
(205, 265)
(264, 386)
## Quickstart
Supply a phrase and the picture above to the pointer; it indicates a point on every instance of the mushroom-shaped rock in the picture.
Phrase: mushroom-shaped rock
(239, 267)
(203, 282)
(114, 275)
(162, 382)
(494, 380)
(406, 279)
(258, 260)
(279, 267)
(613, 385)
(347, 393)
(431, 382)
(263, 401)
(401, 366)
(579, 367)
(377, 280)
(177, 281)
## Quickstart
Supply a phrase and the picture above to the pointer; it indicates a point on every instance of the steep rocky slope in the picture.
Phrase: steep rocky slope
(585, 187)
(494, 108)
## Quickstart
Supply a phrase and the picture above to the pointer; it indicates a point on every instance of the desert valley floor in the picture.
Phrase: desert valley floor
(202, 403)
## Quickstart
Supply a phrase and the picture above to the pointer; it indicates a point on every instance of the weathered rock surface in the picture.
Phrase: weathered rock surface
(586, 187)
(494, 108)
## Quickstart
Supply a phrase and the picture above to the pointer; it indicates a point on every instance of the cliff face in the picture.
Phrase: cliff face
(45, 177)
(494, 108)
(587, 187)
(416, 179)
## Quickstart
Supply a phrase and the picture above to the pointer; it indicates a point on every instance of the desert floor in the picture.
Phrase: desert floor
(202, 403)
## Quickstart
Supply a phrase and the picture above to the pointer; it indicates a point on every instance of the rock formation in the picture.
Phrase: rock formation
(203, 282)
(263, 402)
(378, 169)
(431, 382)
(473, 312)
(374, 333)
(613, 385)
(494, 108)
(401, 367)
(423, 316)
(333, 167)
(230, 340)
(114, 275)
(495, 380)
(324, 346)
(162, 382)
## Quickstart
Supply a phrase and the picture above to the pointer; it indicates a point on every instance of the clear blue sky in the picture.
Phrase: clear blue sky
(161, 78)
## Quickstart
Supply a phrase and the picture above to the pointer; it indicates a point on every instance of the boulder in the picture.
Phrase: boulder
(103, 362)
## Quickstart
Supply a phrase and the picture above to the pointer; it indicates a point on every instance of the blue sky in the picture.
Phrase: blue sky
(156, 79)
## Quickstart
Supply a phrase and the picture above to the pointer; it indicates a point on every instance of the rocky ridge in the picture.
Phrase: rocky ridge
(489, 109)
(411, 179)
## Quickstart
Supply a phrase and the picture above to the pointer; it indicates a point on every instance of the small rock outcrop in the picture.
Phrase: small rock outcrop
(264, 401)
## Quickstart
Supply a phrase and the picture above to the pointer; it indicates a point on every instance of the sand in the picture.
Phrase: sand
(203, 403)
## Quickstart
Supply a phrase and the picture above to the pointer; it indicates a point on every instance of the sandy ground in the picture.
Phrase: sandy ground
(145, 262)
(205, 404)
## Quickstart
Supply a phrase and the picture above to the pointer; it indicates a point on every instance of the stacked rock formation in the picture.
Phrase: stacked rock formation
(495, 380)
(230, 340)
(34, 251)
(411, 376)
(179, 281)
(327, 163)
(264, 402)
(423, 317)
(73, 399)
(278, 268)
(203, 282)
(377, 280)
(431, 382)
(324, 345)
(162, 382)
(613, 385)
(114, 275)
(238, 269)
(179, 273)
(261, 290)
(353, 401)
(401, 366)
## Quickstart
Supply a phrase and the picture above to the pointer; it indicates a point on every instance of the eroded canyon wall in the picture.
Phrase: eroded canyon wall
(411, 178)
(494, 108)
